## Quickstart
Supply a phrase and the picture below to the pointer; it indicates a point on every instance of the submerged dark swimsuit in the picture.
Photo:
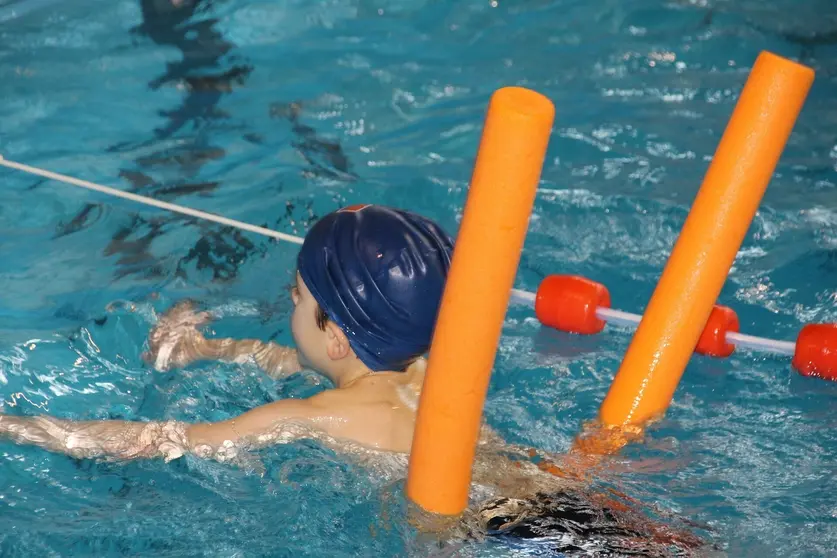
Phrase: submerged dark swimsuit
(574, 524)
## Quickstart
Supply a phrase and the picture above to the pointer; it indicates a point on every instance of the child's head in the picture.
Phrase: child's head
(370, 281)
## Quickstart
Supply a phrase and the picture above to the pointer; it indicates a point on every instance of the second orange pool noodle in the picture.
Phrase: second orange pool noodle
(485, 259)
(711, 237)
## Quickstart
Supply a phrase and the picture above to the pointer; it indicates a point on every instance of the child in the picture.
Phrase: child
(368, 287)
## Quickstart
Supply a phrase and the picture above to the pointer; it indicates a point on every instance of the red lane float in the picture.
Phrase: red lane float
(816, 351)
(713, 340)
(569, 303)
(575, 304)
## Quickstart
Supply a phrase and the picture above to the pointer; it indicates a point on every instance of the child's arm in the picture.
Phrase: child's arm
(277, 361)
(175, 342)
(128, 440)
(107, 438)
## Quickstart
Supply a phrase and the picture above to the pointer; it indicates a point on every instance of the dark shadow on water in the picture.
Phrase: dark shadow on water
(208, 70)
(552, 343)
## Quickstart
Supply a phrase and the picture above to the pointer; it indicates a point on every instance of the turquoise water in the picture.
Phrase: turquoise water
(278, 112)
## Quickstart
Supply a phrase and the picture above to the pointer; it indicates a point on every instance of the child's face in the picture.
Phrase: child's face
(310, 340)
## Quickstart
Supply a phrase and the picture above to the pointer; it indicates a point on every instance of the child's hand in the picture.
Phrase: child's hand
(175, 341)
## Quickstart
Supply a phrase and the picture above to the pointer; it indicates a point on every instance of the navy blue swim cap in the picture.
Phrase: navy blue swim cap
(379, 274)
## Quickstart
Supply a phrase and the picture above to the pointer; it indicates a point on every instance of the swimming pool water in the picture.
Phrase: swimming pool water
(278, 112)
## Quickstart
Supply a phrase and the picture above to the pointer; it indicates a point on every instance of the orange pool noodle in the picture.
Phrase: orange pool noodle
(485, 259)
(712, 235)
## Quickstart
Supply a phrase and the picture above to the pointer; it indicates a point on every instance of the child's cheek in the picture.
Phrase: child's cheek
(294, 325)
(295, 333)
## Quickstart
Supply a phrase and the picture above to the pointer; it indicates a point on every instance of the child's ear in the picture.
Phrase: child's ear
(337, 344)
